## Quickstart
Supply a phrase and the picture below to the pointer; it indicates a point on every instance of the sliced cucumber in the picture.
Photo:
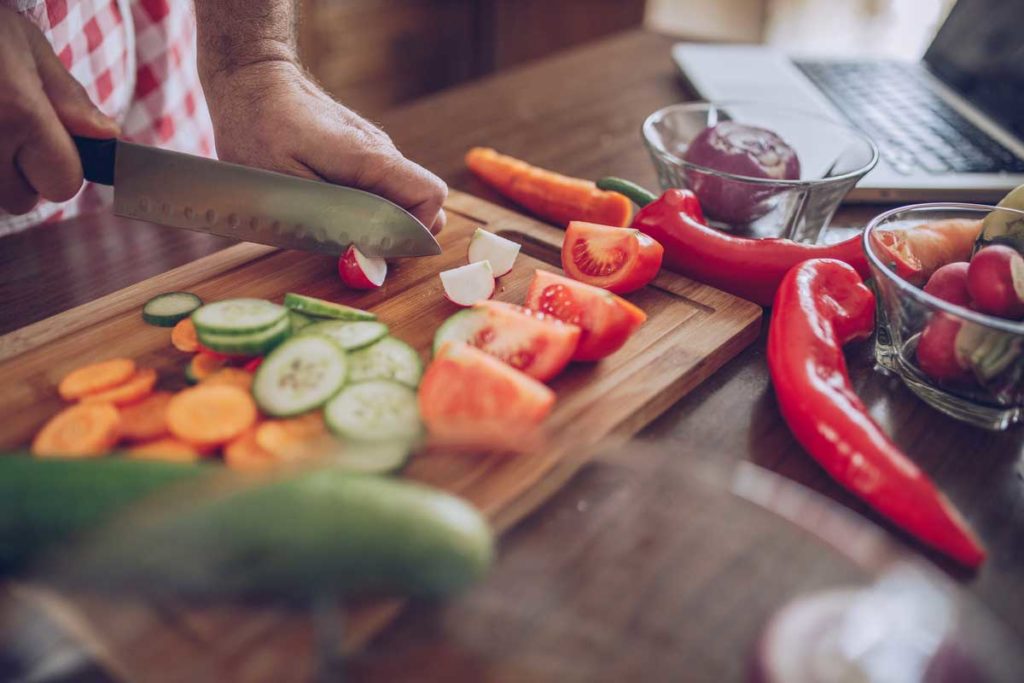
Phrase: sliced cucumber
(254, 344)
(299, 320)
(299, 375)
(321, 308)
(459, 327)
(350, 336)
(378, 410)
(389, 358)
(373, 457)
(190, 375)
(165, 310)
(238, 316)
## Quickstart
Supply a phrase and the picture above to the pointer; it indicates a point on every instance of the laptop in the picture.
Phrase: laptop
(948, 128)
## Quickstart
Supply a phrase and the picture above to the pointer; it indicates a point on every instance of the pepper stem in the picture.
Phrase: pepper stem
(639, 195)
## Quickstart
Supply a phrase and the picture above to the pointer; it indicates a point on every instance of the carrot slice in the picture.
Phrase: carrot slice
(294, 438)
(147, 419)
(210, 415)
(236, 377)
(552, 196)
(83, 430)
(94, 378)
(168, 449)
(139, 386)
(183, 336)
(205, 364)
(245, 455)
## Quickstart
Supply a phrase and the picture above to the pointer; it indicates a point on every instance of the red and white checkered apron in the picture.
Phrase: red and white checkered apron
(137, 61)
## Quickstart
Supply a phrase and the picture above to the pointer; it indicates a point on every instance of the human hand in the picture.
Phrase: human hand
(271, 115)
(41, 107)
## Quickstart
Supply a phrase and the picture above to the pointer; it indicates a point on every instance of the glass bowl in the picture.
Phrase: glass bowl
(833, 158)
(990, 350)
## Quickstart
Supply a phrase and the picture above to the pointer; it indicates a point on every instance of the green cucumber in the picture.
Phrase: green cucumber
(166, 310)
(299, 320)
(377, 410)
(373, 457)
(327, 532)
(321, 308)
(459, 327)
(238, 316)
(350, 336)
(299, 375)
(389, 358)
(254, 344)
(190, 377)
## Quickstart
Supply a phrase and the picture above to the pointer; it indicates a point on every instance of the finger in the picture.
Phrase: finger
(16, 195)
(439, 222)
(409, 185)
(68, 98)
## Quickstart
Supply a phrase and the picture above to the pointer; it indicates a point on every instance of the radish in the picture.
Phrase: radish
(499, 252)
(995, 280)
(949, 283)
(469, 284)
(361, 272)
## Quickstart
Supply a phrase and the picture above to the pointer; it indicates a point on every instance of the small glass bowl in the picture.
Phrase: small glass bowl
(833, 158)
(990, 393)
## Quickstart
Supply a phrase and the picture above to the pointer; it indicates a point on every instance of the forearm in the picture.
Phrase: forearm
(233, 34)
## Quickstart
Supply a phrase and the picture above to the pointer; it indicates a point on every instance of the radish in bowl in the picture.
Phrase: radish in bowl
(361, 272)
(468, 285)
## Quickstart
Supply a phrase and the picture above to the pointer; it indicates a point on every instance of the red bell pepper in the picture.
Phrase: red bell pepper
(822, 304)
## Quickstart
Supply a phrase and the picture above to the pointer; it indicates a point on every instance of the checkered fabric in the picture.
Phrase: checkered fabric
(137, 61)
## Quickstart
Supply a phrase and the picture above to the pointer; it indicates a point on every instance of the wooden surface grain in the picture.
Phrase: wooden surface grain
(580, 113)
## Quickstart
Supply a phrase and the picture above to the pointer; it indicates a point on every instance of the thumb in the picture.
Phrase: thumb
(69, 99)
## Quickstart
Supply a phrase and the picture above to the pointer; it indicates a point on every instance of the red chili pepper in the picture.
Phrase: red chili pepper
(253, 364)
(821, 305)
(749, 268)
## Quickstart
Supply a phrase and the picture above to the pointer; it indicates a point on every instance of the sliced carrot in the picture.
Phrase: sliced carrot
(139, 386)
(168, 449)
(294, 438)
(552, 196)
(183, 336)
(84, 429)
(210, 415)
(245, 455)
(205, 364)
(95, 378)
(147, 419)
(236, 377)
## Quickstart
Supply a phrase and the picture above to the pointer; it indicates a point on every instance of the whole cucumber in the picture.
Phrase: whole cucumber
(313, 533)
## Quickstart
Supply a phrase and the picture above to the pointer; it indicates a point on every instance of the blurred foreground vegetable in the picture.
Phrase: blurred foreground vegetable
(315, 532)
(821, 305)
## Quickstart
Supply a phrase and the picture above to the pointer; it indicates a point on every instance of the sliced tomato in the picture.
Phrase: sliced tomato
(535, 343)
(605, 320)
(620, 260)
(467, 394)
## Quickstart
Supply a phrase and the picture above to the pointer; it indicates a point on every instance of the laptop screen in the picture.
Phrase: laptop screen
(979, 52)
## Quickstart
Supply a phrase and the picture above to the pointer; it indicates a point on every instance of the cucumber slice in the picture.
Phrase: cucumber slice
(373, 457)
(321, 308)
(299, 320)
(459, 327)
(299, 375)
(190, 376)
(165, 310)
(389, 358)
(238, 316)
(350, 336)
(379, 410)
(255, 344)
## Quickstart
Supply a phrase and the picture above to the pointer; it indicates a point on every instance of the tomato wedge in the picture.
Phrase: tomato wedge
(605, 320)
(539, 345)
(620, 260)
(468, 395)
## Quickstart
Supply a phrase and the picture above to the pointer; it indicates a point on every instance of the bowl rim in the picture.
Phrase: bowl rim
(918, 293)
(656, 146)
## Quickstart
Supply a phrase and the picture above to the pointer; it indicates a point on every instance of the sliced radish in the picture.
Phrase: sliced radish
(469, 284)
(361, 272)
(498, 251)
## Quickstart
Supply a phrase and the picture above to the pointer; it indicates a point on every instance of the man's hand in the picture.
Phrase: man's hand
(268, 112)
(41, 106)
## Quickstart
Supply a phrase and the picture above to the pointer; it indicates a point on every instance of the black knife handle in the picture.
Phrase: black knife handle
(97, 158)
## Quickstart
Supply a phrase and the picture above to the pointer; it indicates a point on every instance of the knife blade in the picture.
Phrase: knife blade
(216, 197)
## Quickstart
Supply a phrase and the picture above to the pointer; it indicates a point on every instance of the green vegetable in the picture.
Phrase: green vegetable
(256, 343)
(389, 358)
(238, 316)
(322, 308)
(640, 196)
(165, 310)
(1004, 227)
(300, 375)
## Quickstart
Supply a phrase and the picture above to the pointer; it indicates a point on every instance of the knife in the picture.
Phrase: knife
(186, 191)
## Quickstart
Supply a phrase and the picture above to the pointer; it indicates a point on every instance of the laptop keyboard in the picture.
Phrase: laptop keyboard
(914, 128)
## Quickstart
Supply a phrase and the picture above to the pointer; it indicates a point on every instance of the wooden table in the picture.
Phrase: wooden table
(580, 113)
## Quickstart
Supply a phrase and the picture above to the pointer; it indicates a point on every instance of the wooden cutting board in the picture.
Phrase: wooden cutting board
(692, 329)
